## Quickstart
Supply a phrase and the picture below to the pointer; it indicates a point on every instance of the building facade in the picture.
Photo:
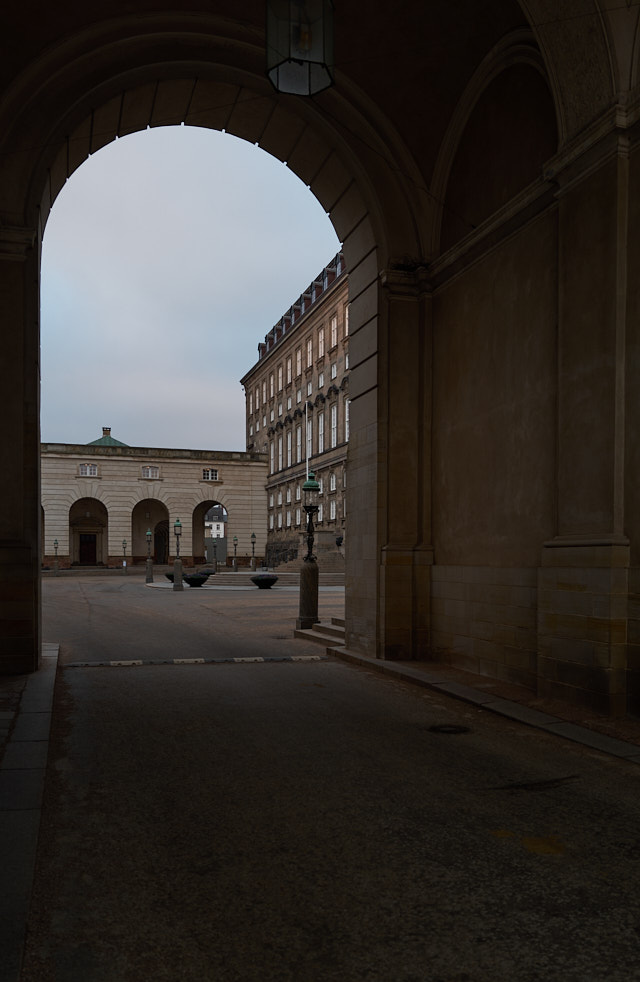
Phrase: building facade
(99, 500)
(297, 412)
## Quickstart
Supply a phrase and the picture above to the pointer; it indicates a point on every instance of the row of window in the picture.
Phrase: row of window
(276, 498)
(286, 370)
(287, 449)
(255, 427)
(293, 517)
(148, 472)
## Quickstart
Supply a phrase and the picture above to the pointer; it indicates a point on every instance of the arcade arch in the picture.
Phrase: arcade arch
(153, 514)
(208, 511)
(88, 533)
(359, 148)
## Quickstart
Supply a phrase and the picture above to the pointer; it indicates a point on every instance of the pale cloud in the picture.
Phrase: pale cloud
(167, 257)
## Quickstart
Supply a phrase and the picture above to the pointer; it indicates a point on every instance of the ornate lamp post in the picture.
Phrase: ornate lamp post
(55, 557)
(308, 609)
(235, 552)
(149, 571)
(253, 550)
(177, 563)
(124, 555)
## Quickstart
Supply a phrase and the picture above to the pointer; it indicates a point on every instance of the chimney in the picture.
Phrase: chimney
(106, 431)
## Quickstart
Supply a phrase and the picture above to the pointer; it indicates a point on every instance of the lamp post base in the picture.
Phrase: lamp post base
(177, 575)
(308, 609)
(149, 572)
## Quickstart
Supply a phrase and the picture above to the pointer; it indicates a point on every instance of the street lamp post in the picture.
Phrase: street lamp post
(124, 555)
(308, 608)
(149, 571)
(235, 554)
(177, 563)
(55, 557)
(253, 550)
(215, 554)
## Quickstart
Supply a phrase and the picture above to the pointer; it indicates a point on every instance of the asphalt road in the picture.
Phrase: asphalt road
(305, 821)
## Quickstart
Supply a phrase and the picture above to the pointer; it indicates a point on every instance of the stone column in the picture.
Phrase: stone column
(20, 452)
(406, 554)
(583, 579)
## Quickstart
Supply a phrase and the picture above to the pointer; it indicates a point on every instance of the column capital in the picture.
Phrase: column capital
(16, 242)
(406, 280)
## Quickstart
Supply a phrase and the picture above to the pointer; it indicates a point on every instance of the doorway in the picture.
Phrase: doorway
(87, 551)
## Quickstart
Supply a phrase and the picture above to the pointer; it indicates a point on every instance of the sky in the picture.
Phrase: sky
(167, 257)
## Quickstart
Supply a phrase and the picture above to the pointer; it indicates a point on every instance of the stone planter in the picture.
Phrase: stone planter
(264, 581)
(195, 579)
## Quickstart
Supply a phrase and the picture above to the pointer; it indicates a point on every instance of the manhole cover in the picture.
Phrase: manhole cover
(449, 728)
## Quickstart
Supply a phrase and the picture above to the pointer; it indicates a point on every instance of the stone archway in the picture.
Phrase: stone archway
(88, 533)
(152, 514)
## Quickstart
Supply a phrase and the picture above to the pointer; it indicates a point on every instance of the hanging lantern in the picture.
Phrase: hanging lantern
(300, 45)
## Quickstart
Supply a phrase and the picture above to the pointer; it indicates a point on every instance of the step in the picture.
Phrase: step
(339, 622)
(315, 634)
(333, 630)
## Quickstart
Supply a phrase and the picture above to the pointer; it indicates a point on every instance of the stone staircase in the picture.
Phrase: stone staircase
(331, 635)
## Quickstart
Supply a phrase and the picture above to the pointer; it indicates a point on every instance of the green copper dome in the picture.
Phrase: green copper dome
(106, 440)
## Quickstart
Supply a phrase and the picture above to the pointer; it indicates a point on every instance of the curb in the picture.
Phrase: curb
(502, 707)
(135, 662)
(22, 776)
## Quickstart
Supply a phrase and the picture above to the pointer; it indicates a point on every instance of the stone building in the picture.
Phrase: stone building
(297, 412)
(488, 205)
(99, 500)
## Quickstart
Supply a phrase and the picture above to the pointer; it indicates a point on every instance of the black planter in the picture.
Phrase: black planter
(264, 581)
(195, 579)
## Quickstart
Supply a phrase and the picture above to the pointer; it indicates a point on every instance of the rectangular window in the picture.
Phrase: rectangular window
(279, 409)
(288, 496)
(309, 388)
(288, 518)
(309, 352)
(288, 402)
(298, 492)
(320, 513)
(88, 470)
(271, 416)
(270, 501)
(332, 482)
(346, 420)
(346, 360)
(321, 433)
(321, 380)
(289, 461)
(299, 395)
(279, 453)
(334, 330)
(298, 361)
(251, 429)
(297, 516)
(264, 420)
(298, 444)
(334, 426)
(271, 458)
(151, 473)
(332, 509)
(334, 369)
(320, 487)
(288, 370)
(250, 402)
(309, 437)
(257, 426)
(279, 378)
(279, 519)
(209, 474)
(279, 497)
(264, 392)
(321, 343)
(271, 386)
(271, 522)
(257, 398)
(346, 320)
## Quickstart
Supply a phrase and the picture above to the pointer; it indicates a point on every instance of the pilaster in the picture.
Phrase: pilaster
(19, 453)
